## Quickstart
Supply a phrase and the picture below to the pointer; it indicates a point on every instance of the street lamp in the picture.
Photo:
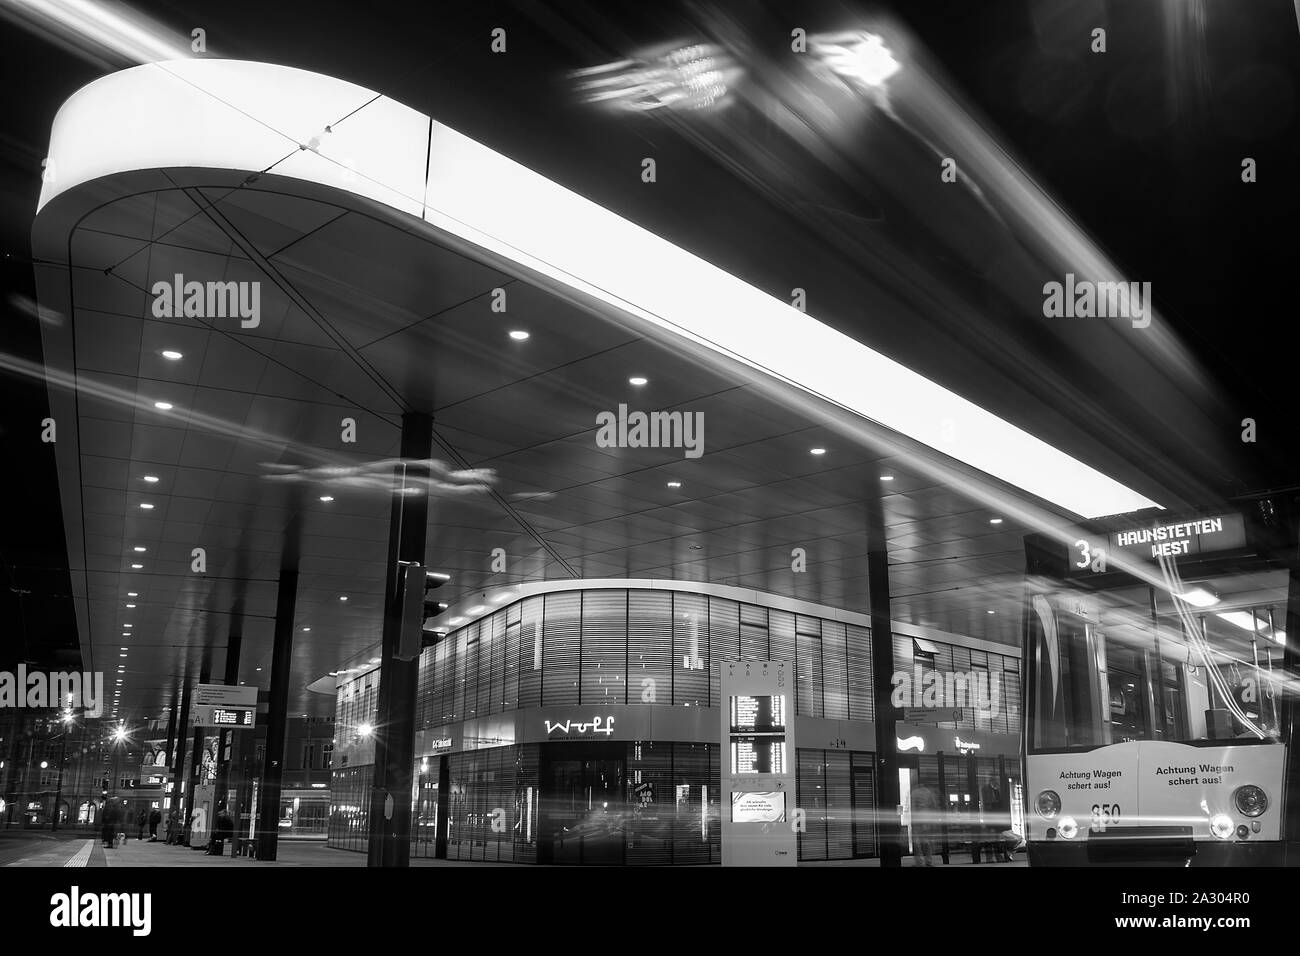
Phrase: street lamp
(856, 56)
(63, 759)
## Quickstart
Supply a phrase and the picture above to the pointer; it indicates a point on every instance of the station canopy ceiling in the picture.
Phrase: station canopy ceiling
(365, 312)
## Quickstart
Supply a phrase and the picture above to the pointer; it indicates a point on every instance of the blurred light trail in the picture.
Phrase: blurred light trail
(90, 29)
(1022, 239)
(323, 470)
(378, 475)
(691, 77)
(857, 57)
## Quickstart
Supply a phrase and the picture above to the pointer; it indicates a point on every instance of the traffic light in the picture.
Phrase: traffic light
(416, 581)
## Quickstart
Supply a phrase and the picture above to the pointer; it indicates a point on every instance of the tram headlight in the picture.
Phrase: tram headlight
(1221, 826)
(1068, 828)
(1250, 800)
(1049, 804)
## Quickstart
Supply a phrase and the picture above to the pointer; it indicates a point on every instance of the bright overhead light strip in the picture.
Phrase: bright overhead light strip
(480, 196)
(506, 209)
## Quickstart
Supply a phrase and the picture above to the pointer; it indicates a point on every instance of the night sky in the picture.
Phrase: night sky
(1141, 147)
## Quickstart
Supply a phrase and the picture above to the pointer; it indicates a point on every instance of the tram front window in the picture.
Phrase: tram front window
(1134, 664)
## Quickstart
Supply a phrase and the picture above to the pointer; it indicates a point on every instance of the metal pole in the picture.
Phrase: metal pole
(882, 666)
(196, 760)
(268, 814)
(58, 796)
(233, 645)
(390, 799)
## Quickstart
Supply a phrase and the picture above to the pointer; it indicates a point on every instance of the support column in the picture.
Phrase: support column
(444, 807)
(390, 799)
(882, 668)
(196, 759)
(171, 724)
(10, 717)
(943, 807)
(268, 804)
(234, 645)
(178, 758)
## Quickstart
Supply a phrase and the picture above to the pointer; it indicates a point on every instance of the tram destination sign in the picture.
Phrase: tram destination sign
(1185, 536)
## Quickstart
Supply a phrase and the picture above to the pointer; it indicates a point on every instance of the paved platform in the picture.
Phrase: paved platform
(142, 853)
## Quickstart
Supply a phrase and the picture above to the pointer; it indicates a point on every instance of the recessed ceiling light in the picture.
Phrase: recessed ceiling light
(137, 567)
(343, 597)
(816, 451)
(152, 479)
(130, 605)
(172, 354)
(886, 477)
(124, 648)
(121, 655)
(132, 593)
(128, 625)
(638, 380)
(995, 521)
(139, 549)
(326, 497)
(259, 668)
(146, 506)
(163, 406)
(519, 335)
(306, 629)
(993, 612)
(674, 484)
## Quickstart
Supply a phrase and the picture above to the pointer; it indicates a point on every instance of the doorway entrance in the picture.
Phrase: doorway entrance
(583, 804)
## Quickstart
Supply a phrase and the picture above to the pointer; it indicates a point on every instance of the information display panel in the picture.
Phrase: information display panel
(758, 772)
(758, 807)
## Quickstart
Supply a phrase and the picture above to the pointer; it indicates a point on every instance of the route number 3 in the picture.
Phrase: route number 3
(1090, 557)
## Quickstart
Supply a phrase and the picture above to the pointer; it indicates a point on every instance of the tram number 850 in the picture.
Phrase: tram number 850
(1104, 815)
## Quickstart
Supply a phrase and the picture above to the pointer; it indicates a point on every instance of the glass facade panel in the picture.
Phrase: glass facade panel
(724, 637)
(692, 662)
(808, 668)
(561, 647)
(530, 652)
(649, 646)
(604, 647)
(835, 677)
(753, 633)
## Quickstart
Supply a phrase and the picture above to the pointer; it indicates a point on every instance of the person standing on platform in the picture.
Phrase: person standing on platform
(141, 821)
(223, 830)
(155, 818)
(108, 824)
(925, 824)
